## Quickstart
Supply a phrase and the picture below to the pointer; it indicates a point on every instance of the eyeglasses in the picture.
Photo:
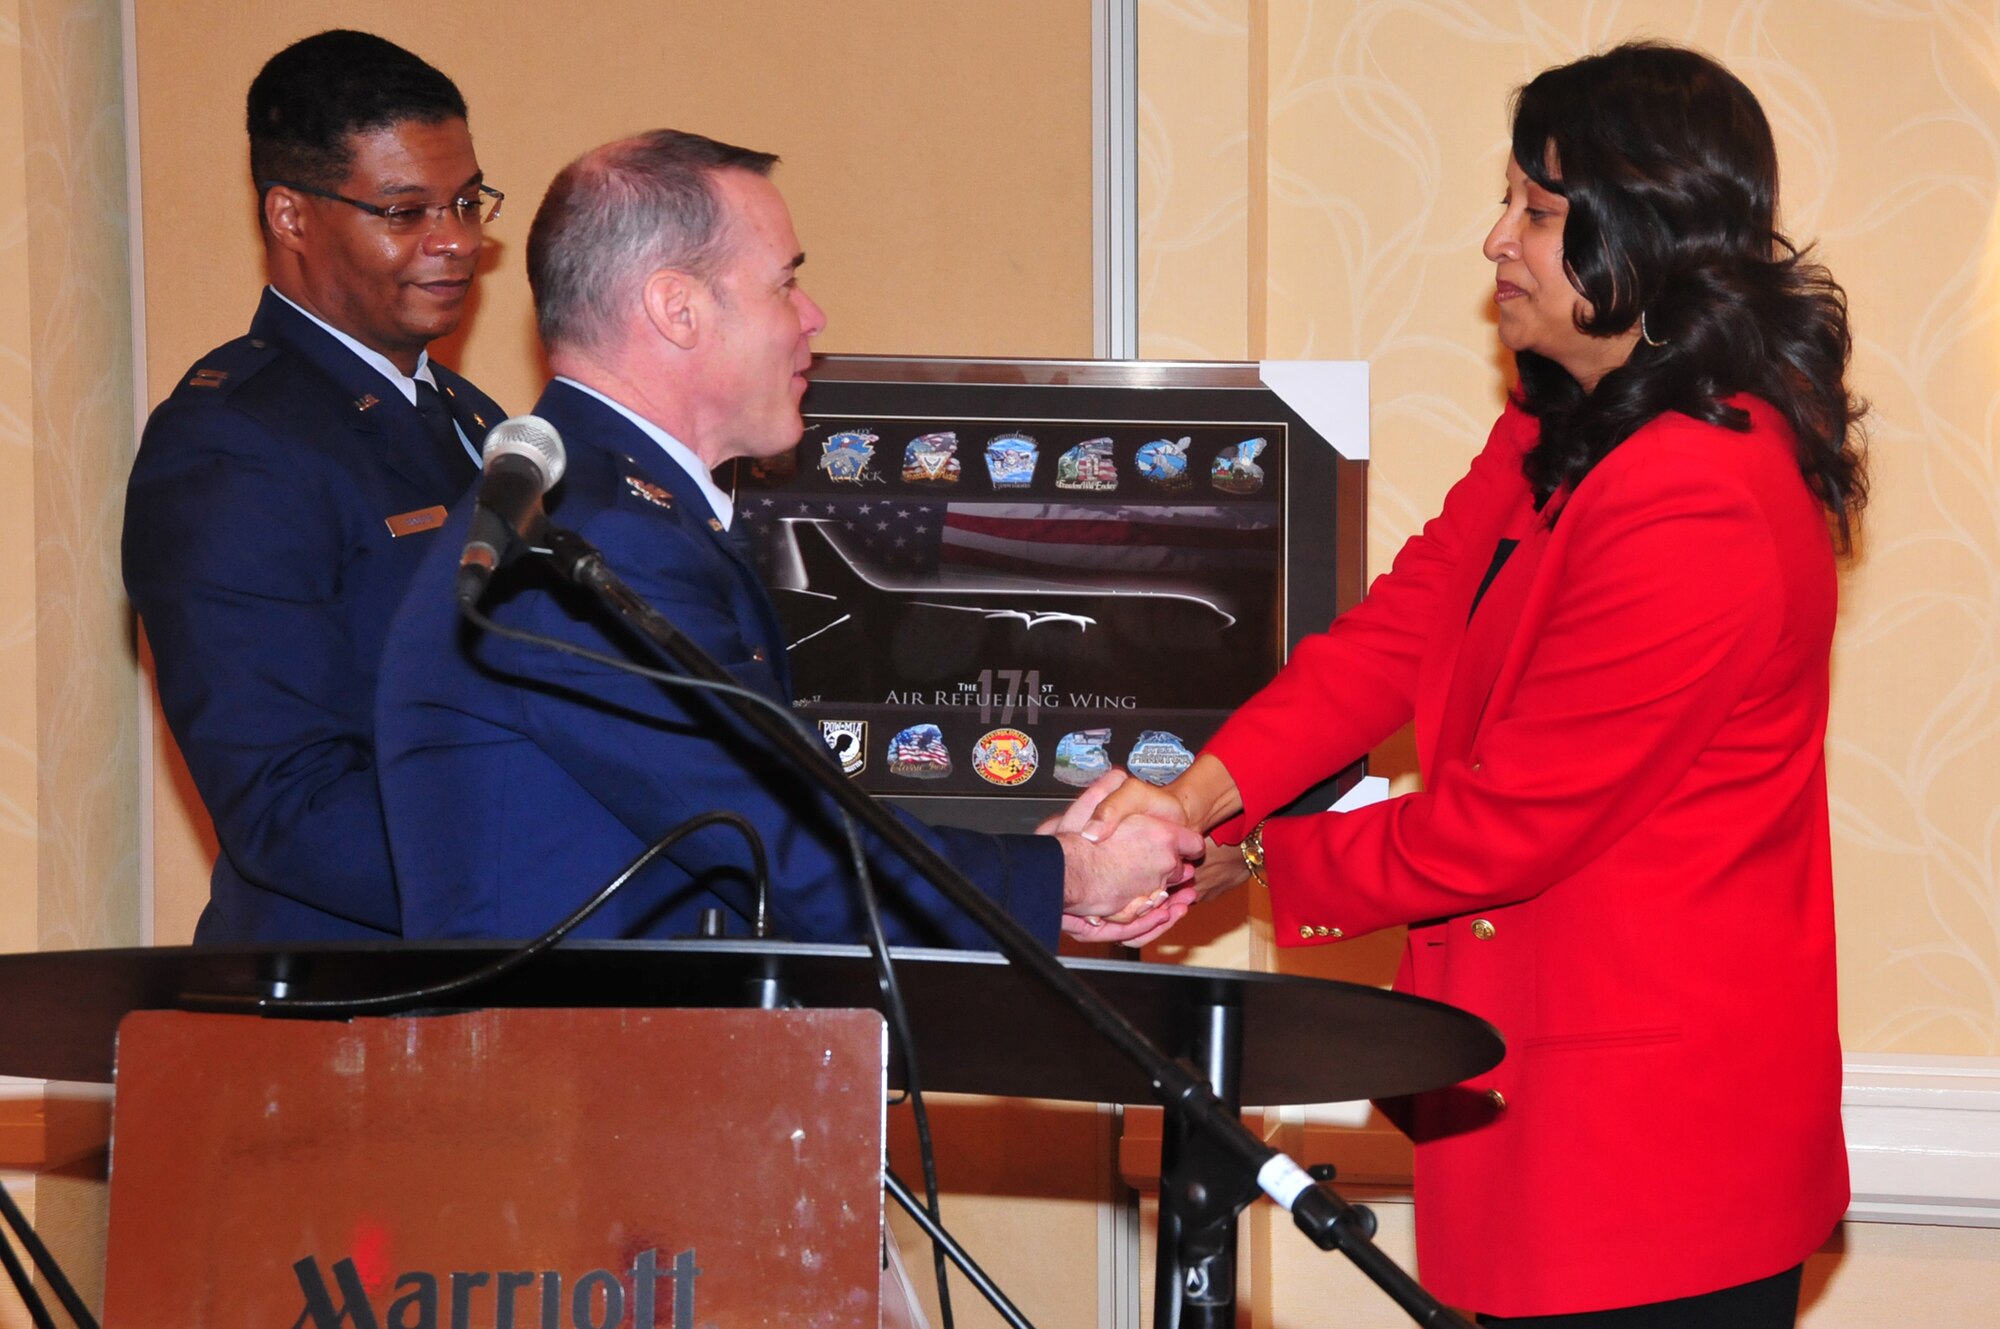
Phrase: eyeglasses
(409, 218)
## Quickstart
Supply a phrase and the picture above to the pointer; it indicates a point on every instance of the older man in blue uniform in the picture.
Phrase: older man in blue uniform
(284, 493)
(516, 779)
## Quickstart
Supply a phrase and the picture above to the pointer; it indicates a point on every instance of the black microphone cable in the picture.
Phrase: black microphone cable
(432, 993)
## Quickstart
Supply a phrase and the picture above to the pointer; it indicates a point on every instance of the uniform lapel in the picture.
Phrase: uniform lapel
(641, 463)
(471, 416)
(378, 409)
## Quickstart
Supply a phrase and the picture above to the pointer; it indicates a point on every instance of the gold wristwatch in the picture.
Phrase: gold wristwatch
(1252, 849)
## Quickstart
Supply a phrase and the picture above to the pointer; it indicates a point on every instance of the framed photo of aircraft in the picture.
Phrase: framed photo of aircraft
(999, 578)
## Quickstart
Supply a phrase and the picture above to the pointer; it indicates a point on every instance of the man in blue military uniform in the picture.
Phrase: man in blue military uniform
(516, 779)
(284, 493)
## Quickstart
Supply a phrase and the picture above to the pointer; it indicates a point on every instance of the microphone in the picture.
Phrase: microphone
(522, 459)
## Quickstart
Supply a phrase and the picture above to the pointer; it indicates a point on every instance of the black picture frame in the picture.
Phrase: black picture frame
(856, 563)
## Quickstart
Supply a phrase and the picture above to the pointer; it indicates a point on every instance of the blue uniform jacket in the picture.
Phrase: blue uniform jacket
(518, 780)
(261, 554)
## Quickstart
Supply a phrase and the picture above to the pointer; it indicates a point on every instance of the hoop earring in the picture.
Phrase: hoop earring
(1646, 336)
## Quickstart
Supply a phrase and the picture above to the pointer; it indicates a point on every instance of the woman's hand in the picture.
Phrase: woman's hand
(1201, 797)
(1221, 869)
(1076, 816)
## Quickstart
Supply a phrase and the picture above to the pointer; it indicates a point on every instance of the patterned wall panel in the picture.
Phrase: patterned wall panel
(18, 792)
(79, 306)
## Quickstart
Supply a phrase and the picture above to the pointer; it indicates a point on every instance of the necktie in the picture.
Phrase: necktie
(437, 423)
(741, 541)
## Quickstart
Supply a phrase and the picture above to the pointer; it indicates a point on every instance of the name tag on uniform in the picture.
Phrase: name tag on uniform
(409, 523)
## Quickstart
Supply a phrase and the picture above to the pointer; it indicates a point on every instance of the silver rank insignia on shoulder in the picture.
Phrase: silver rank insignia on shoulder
(367, 403)
(208, 378)
(652, 493)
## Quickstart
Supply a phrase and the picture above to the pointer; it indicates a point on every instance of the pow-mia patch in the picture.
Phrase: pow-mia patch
(849, 741)
(652, 493)
(208, 378)
(409, 523)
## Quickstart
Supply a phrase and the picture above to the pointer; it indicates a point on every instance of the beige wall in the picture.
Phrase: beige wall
(1325, 170)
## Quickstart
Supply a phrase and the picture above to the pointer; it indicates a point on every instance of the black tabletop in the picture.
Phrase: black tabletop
(980, 1026)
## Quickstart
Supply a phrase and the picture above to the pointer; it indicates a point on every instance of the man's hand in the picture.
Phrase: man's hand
(1128, 873)
(1141, 931)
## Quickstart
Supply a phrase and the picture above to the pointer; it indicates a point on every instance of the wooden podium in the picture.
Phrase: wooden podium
(525, 1169)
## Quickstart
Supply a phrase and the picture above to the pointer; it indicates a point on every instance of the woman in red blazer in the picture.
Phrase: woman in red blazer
(1614, 642)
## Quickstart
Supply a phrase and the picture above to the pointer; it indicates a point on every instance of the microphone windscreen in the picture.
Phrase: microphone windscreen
(531, 437)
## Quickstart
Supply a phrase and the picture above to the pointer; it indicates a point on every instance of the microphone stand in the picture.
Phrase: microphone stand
(1213, 1166)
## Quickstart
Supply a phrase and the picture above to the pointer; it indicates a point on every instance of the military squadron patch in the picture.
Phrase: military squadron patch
(849, 741)
(845, 456)
(1158, 757)
(1081, 756)
(1010, 461)
(1236, 470)
(1088, 465)
(1005, 757)
(919, 753)
(652, 493)
(1163, 463)
(931, 459)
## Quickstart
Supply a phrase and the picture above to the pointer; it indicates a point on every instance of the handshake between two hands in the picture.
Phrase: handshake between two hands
(1132, 864)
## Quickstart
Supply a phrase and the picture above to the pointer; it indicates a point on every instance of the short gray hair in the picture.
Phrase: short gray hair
(619, 213)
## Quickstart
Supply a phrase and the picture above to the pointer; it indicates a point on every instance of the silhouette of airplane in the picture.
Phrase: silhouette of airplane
(837, 612)
(811, 562)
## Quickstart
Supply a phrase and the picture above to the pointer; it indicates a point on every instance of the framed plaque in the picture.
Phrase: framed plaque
(1001, 577)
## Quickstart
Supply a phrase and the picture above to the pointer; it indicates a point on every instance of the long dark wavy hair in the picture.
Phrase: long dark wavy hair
(1667, 162)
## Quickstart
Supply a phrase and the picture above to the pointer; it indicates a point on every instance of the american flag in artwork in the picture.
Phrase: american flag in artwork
(919, 753)
(1073, 541)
